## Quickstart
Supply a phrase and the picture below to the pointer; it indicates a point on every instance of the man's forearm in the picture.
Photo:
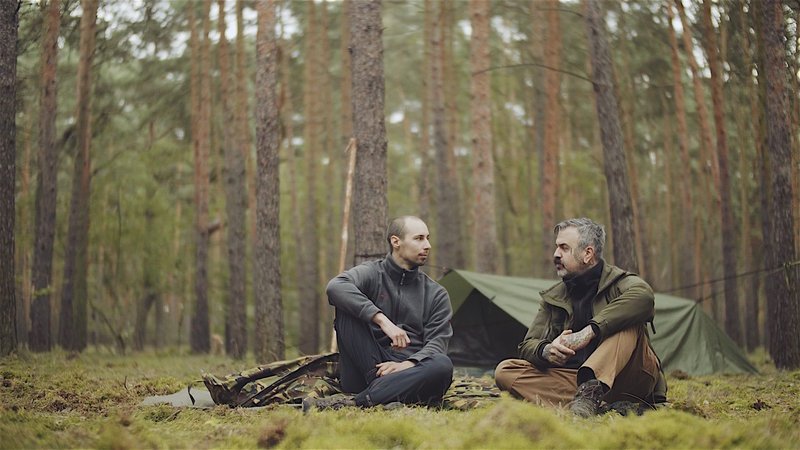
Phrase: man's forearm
(579, 340)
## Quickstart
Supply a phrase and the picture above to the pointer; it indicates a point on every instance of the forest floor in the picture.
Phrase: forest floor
(93, 400)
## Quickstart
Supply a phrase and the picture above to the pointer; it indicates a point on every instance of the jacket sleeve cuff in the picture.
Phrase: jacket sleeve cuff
(599, 328)
(368, 312)
(535, 357)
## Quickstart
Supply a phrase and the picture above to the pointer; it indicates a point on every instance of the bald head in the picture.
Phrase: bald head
(397, 227)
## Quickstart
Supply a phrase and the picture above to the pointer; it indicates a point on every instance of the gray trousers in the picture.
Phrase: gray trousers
(360, 352)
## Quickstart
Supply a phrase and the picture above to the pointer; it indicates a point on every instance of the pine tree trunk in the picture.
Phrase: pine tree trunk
(269, 340)
(674, 251)
(150, 283)
(346, 103)
(200, 333)
(611, 135)
(483, 187)
(542, 265)
(333, 189)
(47, 188)
(710, 188)
(625, 91)
(287, 111)
(24, 238)
(689, 265)
(308, 335)
(346, 84)
(369, 200)
(783, 286)
(425, 186)
(176, 281)
(707, 142)
(235, 205)
(448, 191)
(451, 117)
(732, 322)
(242, 115)
(74, 293)
(552, 115)
(9, 22)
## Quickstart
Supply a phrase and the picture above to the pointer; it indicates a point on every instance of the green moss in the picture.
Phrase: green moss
(61, 400)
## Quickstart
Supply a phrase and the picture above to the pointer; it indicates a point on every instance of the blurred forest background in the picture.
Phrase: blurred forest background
(148, 134)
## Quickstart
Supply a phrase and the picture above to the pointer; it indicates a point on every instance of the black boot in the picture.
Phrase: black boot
(335, 401)
(588, 397)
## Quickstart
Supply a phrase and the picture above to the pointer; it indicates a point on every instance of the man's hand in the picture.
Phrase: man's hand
(556, 352)
(385, 368)
(579, 340)
(398, 335)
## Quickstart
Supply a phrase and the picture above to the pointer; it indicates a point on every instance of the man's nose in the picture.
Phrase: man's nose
(426, 245)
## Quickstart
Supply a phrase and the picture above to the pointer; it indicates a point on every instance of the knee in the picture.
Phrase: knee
(506, 373)
(440, 367)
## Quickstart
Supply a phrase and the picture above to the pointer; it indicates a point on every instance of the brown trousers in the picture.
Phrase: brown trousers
(624, 362)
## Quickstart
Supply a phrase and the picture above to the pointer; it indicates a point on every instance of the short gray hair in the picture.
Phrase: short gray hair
(590, 233)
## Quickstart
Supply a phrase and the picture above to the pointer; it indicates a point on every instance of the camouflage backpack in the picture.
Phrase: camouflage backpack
(289, 382)
(280, 382)
(470, 392)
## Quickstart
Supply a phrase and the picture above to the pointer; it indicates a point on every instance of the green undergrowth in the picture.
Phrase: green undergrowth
(62, 400)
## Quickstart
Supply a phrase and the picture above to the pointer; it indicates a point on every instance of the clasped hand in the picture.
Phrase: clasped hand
(566, 344)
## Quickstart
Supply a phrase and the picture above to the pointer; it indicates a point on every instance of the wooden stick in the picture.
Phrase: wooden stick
(348, 194)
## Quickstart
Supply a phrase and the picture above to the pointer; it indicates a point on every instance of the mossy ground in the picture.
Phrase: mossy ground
(91, 400)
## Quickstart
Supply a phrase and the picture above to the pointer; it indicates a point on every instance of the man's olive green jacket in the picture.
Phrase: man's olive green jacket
(623, 300)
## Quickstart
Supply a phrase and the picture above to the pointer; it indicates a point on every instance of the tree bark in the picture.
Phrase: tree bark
(625, 92)
(308, 335)
(729, 258)
(611, 135)
(235, 205)
(9, 22)
(269, 340)
(483, 187)
(333, 189)
(707, 142)
(369, 200)
(552, 116)
(448, 192)
(424, 184)
(543, 239)
(346, 84)
(24, 241)
(689, 265)
(242, 114)
(74, 293)
(151, 294)
(200, 333)
(452, 115)
(782, 286)
(295, 223)
(47, 188)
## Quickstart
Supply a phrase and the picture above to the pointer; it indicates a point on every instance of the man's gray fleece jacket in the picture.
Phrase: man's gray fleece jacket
(409, 298)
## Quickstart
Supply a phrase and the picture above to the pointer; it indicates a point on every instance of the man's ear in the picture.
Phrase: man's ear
(395, 241)
(589, 255)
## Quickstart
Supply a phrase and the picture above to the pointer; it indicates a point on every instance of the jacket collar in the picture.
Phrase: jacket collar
(589, 280)
(396, 273)
(557, 294)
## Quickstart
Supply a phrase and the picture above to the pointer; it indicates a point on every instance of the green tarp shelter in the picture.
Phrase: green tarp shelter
(491, 314)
